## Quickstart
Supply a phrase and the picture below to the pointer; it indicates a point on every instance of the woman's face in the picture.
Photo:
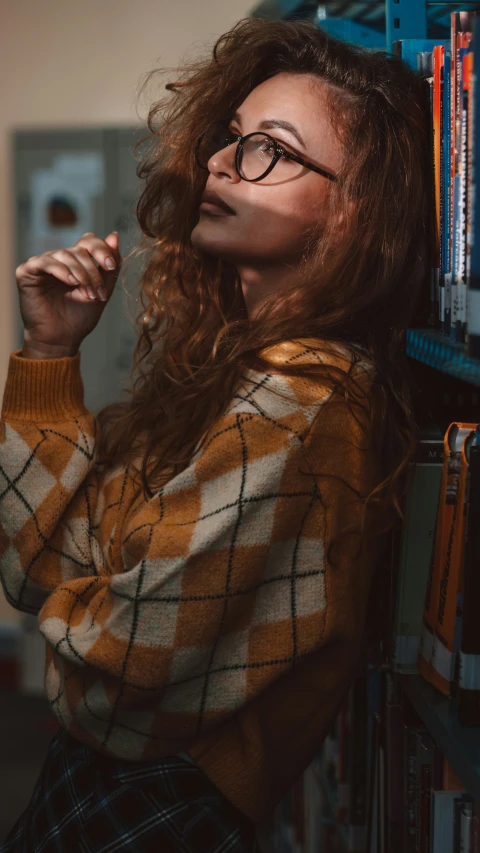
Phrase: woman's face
(272, 215)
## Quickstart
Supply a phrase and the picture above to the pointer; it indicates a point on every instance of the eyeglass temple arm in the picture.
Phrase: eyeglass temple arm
(311, 166)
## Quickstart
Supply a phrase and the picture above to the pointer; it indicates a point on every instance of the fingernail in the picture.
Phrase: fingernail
(91, 292)
(110, 264)
(102, 294)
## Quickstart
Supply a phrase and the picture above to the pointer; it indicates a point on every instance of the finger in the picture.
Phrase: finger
(113, 240)
(46, 263)
(82, 268)
(99, 250)
(92, 277)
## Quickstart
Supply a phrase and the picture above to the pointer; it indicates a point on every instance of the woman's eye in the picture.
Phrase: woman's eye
(269, 147)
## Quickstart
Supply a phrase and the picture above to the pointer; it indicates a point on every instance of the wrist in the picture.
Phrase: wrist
(39, 351)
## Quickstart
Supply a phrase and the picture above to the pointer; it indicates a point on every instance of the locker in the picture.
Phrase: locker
(68, 182)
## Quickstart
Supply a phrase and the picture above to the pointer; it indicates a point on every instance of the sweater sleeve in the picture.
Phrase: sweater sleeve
(227, 591)
(48, 481)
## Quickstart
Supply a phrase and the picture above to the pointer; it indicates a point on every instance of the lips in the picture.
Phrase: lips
(213, 198)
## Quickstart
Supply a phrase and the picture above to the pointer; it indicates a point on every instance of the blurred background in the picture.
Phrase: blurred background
(70, 74)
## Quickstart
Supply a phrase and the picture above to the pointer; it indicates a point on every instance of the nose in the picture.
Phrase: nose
(223, 162)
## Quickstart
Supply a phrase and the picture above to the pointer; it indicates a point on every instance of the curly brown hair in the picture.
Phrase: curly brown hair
(362, 290)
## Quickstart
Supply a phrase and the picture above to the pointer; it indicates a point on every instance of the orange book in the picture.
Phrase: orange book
(453, 444)
(450, 780)
(438, 63)
(446, 642)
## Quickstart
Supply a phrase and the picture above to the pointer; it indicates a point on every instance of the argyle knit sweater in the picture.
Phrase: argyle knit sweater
(208, 619)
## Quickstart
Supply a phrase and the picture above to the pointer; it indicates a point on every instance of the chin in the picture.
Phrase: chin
(211, 246)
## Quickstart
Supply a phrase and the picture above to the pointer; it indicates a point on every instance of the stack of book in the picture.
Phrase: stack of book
(450, 70)
(379, 784)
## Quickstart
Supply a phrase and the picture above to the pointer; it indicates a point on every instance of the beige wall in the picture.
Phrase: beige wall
(70, 64)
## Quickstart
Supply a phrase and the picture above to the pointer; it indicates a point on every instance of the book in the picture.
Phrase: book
(462, 823)
(461, 25)
(448, 65)
(408, 49)
(416, 548)
(473, 306)
(442, 811)
(394, 720)
(438, 120)
(453, 443)
(469, 655)
(423, 785)
(446, 642)
(445, 222)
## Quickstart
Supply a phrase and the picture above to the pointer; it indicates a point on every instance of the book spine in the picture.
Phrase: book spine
(438, 53)
(425, 649)
(469, 657)
(446, 185)
(459, 226)
(459, 804)
(473, 307)
(453, 164)
(442, 809)
(434, 319)
(451, 583)
(424, 761)
(466, 828)
(463, 193)
(475, 830)
(410, 791)
(433, 657)
(468, 208)
(394, 721)
(415, 553)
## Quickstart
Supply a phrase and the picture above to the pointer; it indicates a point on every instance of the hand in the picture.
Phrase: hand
(58, 313)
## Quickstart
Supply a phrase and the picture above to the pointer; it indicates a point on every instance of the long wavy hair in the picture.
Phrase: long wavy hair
(362, 287)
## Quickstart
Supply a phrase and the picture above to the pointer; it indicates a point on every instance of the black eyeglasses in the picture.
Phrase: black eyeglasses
(256, 154)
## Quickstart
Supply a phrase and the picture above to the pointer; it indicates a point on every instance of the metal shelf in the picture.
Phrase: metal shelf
(460, 744)
(431, 347)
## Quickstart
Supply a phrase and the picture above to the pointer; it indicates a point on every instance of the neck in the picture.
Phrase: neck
(259, 284)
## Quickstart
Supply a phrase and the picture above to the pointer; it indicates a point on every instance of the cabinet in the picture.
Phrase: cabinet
(68, 182)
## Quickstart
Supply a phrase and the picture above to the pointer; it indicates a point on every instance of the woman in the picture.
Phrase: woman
(201, 558)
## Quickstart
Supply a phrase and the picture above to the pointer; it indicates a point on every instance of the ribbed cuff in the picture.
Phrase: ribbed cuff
(43, 390)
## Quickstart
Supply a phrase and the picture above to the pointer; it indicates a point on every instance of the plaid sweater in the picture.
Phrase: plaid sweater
(208, 619)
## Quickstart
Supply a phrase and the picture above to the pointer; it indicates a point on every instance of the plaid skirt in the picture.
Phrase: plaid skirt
(86, 802)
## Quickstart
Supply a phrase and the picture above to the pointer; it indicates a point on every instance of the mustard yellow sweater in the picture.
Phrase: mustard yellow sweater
(208, 619)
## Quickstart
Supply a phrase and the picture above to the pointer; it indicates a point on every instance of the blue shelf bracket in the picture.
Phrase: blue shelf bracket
(405, 19)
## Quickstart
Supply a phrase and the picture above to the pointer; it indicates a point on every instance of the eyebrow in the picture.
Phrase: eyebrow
(275, 122)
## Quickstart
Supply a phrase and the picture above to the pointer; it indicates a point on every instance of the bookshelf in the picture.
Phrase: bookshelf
(331, 803)
(446, 378)
(459, 744)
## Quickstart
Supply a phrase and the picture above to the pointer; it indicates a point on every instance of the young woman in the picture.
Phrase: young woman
(202, 558)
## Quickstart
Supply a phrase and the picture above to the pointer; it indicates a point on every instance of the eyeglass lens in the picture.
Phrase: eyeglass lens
(258, 153)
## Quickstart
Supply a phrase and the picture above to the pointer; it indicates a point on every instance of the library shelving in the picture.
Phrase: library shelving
(459, 744)
(436, 350)
(445, 383)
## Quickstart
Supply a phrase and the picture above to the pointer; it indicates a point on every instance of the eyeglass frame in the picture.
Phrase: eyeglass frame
(279, 151)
